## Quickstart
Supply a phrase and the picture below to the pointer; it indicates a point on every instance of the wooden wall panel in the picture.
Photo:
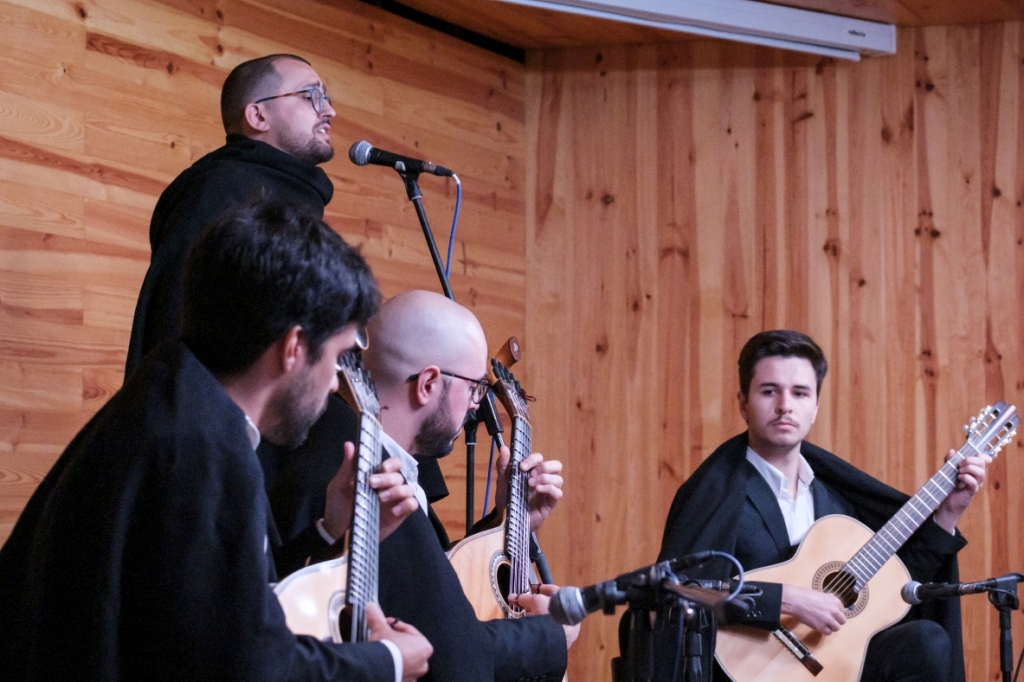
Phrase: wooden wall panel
(103, 102)
(682, 197)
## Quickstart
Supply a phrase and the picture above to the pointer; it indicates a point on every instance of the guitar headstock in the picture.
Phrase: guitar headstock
(356, 387)
(993, 428)
(509, 392)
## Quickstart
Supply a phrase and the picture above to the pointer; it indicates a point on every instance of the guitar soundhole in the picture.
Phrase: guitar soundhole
(841, 585)
(504, 576)
(501, 578)
(832, 578)
(345, 624)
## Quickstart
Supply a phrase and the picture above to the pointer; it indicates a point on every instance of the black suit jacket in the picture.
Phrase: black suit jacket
(143, 553)
(764, 539)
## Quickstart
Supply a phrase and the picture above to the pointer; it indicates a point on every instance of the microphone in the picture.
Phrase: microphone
(915, 593)
(570, 605)
(362, 153)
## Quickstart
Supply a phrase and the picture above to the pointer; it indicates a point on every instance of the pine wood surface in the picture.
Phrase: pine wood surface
(681, 198)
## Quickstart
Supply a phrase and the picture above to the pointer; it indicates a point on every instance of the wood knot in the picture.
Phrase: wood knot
(832, 247)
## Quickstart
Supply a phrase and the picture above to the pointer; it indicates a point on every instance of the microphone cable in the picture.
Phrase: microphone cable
(455, 223)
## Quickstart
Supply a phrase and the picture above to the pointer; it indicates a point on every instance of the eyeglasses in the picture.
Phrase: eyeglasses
(316, 98)
(480, 386)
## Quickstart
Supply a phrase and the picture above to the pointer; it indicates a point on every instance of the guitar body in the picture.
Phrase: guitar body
(313, 599)
(482, 566)
(753, 655)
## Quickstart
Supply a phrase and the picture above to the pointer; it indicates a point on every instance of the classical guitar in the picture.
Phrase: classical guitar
(495, 563)
(328, 599)
(840, 555)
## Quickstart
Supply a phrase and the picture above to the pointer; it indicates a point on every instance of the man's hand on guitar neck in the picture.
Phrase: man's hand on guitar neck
(969, 482)
(545, 485)
(413, 646)
(397, 499)
(537, 605)
(819, 610)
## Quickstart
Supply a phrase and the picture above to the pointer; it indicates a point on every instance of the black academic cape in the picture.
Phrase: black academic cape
(707, 511)
(417, 582)
(142, 555)
(243, 169)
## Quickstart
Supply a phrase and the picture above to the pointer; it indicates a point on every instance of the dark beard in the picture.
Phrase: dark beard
(315, 152)
(438, 432)
(297, 412)
(311, 150)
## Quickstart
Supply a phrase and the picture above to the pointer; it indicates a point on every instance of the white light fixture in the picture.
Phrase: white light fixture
(746, 21)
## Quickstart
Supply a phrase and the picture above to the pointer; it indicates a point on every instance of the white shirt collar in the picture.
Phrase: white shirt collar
(410, 469)
(252, 432)
(775, 478)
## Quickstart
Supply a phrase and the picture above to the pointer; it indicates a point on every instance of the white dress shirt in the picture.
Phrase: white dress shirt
(798, 513)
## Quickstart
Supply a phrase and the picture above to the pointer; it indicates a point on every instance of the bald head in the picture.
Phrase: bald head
(416, 329)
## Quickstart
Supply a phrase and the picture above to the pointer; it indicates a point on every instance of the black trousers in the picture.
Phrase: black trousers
(918, 651)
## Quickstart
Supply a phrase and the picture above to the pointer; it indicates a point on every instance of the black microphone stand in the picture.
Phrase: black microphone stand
(1003, 596)
(488, 414)
(412, 188)
(487, 411)
(657, 600)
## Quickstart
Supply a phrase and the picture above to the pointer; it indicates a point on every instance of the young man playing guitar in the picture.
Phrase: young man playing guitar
(758, 494)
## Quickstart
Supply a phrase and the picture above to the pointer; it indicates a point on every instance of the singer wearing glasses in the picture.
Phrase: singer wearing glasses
(277, 117)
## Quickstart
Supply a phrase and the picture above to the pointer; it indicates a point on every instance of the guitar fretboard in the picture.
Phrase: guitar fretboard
(364, 553)
(517, 523)
(987, 434)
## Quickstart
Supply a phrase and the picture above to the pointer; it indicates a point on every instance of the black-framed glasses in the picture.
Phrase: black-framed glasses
(480, 386)
(316, 98)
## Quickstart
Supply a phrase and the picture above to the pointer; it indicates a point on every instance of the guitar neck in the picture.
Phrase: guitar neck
(894, 534)
(364, 551)
(517, 520)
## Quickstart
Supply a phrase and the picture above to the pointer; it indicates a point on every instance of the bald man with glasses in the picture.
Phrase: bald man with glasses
(428, 358)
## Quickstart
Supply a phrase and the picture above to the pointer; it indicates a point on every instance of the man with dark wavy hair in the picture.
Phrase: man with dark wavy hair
(757, 495)
(144, 553)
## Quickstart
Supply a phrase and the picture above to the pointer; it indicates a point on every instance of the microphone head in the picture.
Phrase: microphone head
(909, 593)
(566, 606)
(359, 152)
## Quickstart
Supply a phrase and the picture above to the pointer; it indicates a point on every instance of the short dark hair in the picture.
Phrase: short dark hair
(780, 343)
(248, 82)
(262, 269)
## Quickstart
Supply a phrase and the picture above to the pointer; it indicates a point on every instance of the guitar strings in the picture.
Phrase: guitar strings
(847, 580)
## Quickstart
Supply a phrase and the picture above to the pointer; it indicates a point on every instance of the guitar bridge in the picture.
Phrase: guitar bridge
(798, 649)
